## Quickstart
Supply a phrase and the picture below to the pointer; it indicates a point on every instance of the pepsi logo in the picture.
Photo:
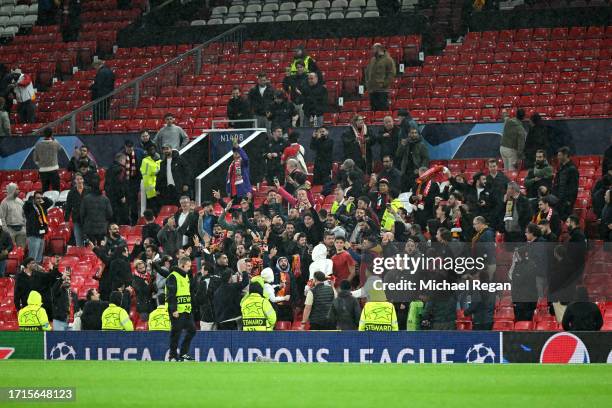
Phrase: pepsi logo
(564, 348)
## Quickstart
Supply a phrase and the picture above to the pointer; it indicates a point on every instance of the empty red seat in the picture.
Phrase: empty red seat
(503, 325)
(523, 325)
(550, 325)
(505, 313)
(453, 115)
(434, 115)
(580, 111)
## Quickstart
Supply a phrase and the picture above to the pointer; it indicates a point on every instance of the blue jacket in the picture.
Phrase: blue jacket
(245, 187)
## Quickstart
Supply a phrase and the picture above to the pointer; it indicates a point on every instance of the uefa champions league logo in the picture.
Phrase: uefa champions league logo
(62, 351)
(479, 353)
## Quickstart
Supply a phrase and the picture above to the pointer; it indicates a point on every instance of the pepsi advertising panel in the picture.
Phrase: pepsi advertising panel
(306, 347)
(558, 347)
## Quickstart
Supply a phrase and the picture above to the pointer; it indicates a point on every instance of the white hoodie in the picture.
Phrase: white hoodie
(320, 261)
(268, 276)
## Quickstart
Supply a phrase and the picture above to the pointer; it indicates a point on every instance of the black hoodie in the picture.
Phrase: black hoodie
(345, 311)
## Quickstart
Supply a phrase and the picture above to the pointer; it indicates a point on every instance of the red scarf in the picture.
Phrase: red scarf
(538, 217)
(130, 166)
(360, 135)
(146, 276)
(235, 175)
(425, 192)
(257, 266)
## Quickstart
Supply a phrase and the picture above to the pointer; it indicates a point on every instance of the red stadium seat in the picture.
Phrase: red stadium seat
(523, 325)
(503, 325)
(506, 313)
(550, 325)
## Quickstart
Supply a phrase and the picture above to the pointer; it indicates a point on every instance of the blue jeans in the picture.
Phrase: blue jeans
(2, 268)
(78, 234)
(36, 247)
(59, 325)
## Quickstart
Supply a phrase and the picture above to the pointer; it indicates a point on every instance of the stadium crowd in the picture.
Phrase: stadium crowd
(308, 262)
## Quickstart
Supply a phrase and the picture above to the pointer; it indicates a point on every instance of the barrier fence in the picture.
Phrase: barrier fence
(445, 141)
(354, 347)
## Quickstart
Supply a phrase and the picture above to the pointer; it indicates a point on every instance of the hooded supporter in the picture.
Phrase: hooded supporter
(270, 289)
(287, 287)
(285, 275)
(33, 317)
(320, 262)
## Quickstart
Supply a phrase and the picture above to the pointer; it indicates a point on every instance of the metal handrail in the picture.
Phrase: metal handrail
(137, 81)
(251, 121)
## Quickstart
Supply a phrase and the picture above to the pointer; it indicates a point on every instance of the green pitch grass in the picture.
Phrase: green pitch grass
(112, 384)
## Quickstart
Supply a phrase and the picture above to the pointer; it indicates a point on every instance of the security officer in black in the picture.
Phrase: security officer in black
(178, 295)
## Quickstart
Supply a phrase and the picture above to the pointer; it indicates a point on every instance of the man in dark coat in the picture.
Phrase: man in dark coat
(563, 285)
(565, 183)
(541, 174)
(582, 315)
(133, 177)
(80, 154)
(105, 253)
(387, 137)
(91, 319)
(186, 221)
(104, 83)
(538, 138)
(496, 179)
(390, 172)
(294, 84)
(546, 212)
(516, 213)
(90, 174)
(323, 147)
(34, 277)
(73, 207)
(272, 155)
(115, 186)
(141, 284)
(482, 199)
(315, 101)
(412, 154)
(282, 112)
(95, 213)
(120, 271)
(227, 300)
(238, 109)
(171, 190)
(345, 311)
(261, 97)
(61, 296)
